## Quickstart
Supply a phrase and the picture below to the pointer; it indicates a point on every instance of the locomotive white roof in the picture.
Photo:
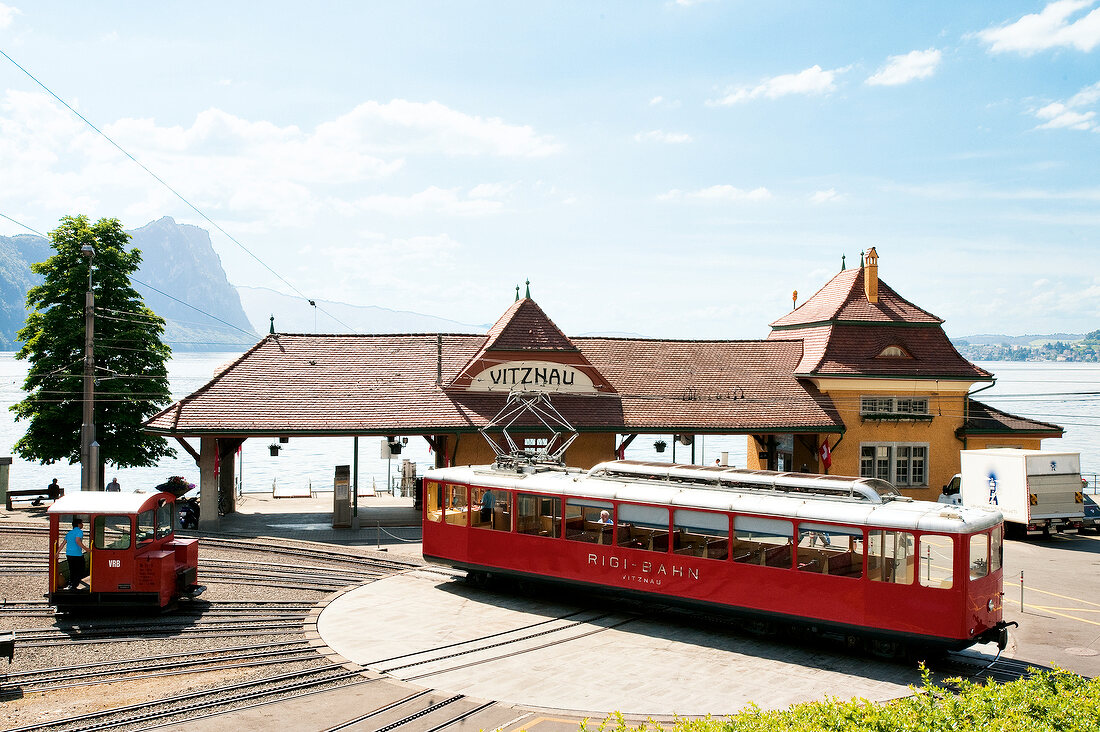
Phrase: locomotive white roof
(103, 502)
(893, 514)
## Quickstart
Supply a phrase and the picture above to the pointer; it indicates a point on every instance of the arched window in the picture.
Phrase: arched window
(894, 352)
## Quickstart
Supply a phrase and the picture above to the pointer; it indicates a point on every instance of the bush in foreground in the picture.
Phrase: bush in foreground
(1051, 700)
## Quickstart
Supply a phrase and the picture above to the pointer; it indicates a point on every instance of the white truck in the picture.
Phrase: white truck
(1038, 489)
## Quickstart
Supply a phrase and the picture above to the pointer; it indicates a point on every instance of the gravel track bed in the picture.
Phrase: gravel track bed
(264, 565)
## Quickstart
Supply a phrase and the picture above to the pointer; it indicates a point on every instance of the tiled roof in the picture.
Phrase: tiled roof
(983, 419)
(386, 384)
(525, 327)
(843, 299)
(854, 350)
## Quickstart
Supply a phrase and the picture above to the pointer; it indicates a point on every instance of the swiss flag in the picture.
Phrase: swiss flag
(826, 454)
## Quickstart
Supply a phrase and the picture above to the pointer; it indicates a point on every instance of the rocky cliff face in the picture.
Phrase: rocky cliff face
(178, 259)
(179, 267)
(16, 255)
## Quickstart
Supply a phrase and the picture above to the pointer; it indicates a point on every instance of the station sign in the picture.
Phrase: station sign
(541, 376)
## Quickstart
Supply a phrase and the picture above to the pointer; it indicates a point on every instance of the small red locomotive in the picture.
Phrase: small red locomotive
(126, 549)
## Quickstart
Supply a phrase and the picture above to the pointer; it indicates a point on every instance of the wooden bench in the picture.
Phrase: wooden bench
(49, 493)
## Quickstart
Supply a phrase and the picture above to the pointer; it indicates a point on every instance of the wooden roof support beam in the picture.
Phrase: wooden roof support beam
(190, 450)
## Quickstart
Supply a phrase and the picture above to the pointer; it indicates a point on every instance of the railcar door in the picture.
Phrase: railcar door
(113, 560)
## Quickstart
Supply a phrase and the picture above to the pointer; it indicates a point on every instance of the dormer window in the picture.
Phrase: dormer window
(894, 352)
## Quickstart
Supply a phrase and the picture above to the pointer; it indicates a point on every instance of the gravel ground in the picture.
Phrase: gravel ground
(35, 707)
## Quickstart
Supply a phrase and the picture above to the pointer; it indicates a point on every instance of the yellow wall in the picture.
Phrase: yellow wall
(938, 434)
(587, 450)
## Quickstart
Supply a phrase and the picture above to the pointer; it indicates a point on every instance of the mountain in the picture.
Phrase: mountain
(295, 315)
(987, 339)
(179, 266)
(16, 255)
(182, 280)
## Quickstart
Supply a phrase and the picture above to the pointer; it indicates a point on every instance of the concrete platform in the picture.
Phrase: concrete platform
(537, 654)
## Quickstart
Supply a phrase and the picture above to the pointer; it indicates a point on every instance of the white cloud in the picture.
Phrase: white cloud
(811, 81)
(247, 174)
(433, 200)
(717, 193)
(673, 138)
(690, 3)
(827, 196)
(1068, 115)
(907, 67)
(7, 15)
(431, 127)
(1053, 27)
(660, 101)
(111, 37)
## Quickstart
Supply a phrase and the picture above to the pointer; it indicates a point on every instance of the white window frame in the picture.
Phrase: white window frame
(893, 405)
(886, 466)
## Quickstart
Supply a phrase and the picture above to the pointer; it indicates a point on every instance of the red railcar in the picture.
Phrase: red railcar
(133, 556)
(849, 556)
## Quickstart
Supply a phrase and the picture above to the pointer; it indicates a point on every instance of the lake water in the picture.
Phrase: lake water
(1066, 394)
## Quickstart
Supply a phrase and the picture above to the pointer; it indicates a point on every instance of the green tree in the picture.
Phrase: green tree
(130, 357)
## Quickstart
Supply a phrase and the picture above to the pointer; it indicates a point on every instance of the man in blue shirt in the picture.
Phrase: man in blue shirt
(74, 552)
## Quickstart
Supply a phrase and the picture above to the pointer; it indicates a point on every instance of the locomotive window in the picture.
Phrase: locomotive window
(164, 519)
(491, 509)
(455, 511)
(112, 532)
(979, 556)
(146, 526)
(997, 549)
(701, 534)
(832, 550)
(937, 561)
(584, 520)
(433, 492)
(762, 541)
(642, 527)
(538, 515)
(890, 557)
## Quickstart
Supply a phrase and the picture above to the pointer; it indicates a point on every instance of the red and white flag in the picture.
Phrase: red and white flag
(826, 454)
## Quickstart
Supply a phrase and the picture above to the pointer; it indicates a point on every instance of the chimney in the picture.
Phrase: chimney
(870, 276)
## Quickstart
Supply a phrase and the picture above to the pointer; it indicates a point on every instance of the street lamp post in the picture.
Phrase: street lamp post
(89, 453)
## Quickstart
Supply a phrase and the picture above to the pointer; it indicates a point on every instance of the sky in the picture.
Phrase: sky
(673, 169)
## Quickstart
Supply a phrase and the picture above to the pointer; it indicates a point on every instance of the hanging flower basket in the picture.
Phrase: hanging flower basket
(274, 447)
(660, 445)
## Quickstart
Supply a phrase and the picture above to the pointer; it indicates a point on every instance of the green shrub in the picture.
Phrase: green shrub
(1054, 701)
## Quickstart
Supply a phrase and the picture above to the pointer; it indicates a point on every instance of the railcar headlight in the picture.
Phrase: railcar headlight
(989, 604)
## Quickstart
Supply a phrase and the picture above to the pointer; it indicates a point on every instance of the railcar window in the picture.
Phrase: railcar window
(146, 526)
(937, 561)
(491, 508)
(642, 527)
(456, 509)
(762, 541)
(997, 549)
(832, 550)
(590, 520)
(433, 493)
(112, 532)
(979, 556)
(538, 515)
(890, 557)
(701, 534)
(165, 525)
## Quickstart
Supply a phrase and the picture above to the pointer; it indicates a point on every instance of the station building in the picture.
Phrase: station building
(856, 367)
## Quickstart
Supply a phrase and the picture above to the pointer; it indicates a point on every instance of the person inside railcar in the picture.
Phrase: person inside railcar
(72, 544)
(605, 518)
(486, 506)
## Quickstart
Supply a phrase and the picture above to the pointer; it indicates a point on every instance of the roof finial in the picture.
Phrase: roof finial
(272, 331)
(517, 293)
(861, 260)
(842, 258)
(528, 295)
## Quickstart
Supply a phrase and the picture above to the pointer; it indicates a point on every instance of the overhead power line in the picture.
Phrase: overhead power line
(174, 192)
